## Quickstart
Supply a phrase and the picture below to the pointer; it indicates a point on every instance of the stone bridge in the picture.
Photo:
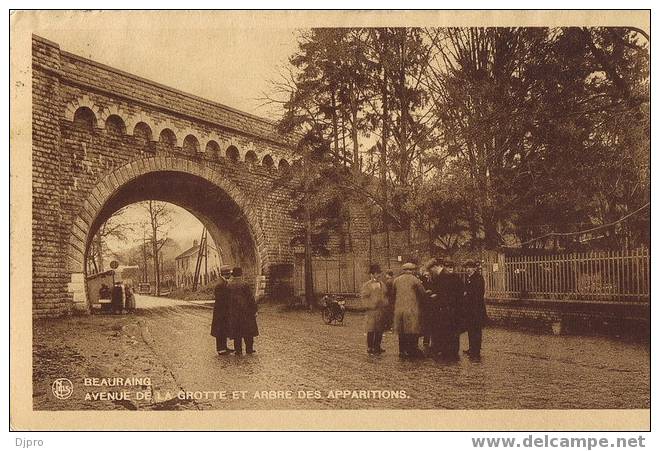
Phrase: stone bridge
(103, 139)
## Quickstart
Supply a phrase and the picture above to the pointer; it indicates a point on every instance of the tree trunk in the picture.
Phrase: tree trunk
(491, 237)
(310, 297)
(344, 156)
(335, 128)
(99, 251)
(383, 147)
(145, 268)
(403, 113)
(154, 248)
(354, 135)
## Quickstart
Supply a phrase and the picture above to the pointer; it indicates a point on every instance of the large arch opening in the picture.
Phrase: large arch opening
(230, 226)
(213, 207)
(175, 259)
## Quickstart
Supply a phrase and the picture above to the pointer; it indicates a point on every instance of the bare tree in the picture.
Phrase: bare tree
(112, 229)
(160, 217)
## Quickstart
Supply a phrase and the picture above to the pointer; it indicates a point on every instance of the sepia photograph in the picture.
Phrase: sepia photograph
(405, 218)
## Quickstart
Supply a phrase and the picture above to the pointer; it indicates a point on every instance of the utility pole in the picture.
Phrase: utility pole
(201, 253)
(206, 261)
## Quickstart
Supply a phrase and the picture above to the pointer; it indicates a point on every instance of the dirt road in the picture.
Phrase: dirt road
(303, 364)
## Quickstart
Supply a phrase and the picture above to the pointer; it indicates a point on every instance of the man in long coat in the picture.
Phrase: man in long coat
(242, 312)
(474, 308)
(389, 285)
(424, 275)
(409, 295)
(446, 292)
(220, 325)
(375, 299)
(117, 298)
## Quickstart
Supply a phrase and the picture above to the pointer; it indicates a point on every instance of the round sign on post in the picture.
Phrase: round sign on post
(114, 264)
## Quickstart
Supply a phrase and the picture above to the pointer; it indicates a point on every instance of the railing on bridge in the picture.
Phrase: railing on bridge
(593, 277)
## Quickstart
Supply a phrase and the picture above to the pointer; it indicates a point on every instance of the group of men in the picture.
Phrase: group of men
(434, 304)
(234, 313)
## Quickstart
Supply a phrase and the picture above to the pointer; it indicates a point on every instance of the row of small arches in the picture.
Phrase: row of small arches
(86, 118)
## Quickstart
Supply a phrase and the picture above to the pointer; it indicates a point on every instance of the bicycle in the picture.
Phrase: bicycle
(333, 310)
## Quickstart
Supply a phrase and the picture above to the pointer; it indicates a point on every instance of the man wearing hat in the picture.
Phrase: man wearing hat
(474, 308)
(446, 292)
(375, 300)
(220, 325)
(242, 313)
(409, 295)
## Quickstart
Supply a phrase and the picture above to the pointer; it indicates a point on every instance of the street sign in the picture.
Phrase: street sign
(114, 264)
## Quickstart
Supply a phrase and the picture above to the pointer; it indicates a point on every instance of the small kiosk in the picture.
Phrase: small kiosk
(99, 289)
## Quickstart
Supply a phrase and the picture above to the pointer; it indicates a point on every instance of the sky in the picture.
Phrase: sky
(211, 54)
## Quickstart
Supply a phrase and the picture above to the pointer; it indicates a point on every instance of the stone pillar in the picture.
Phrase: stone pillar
(50, 296)
(76, 287)
(261, 286)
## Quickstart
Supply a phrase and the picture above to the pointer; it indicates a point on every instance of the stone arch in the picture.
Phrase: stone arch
(115, 125)
(186, 132)
(212, 148)
(267, 161)
(191, 144)
(144, 131)
(80, 102)
(251, 157)
(167, 126)
(85, 118)
(211, 143)
(232, 153)
(99, 197)
(283, 165)
(133, 122)
(168, 136)
(112, 110)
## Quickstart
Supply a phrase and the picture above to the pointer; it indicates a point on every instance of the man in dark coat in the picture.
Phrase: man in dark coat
(424, 275)
(446, 292)
(220, 325)
(389, 285)
(474, 308)
(242, 312)
(117, 298)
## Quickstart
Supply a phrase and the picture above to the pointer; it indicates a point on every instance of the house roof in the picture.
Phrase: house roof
(192, 251)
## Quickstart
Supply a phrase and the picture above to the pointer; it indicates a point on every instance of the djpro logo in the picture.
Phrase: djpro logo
(62, 388)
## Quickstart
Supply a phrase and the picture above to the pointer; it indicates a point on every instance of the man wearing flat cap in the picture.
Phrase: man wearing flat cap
(409, 296)
(474, 308)
(446, 293)
(220, 325)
